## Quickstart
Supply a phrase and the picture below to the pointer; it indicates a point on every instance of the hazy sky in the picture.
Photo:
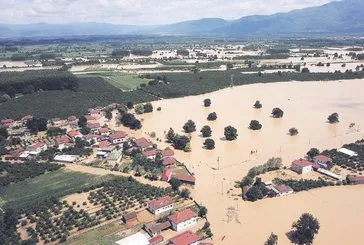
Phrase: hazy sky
(140, 12)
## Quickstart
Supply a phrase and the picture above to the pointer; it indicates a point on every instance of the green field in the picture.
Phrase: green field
(55, 184)
(120, 80)
(104, 235)
(92, 92)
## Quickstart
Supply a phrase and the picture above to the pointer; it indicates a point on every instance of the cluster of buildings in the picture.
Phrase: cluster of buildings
(153, 231)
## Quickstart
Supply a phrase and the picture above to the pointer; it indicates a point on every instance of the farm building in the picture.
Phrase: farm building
(66, 158)
(348, 152)
(135, 239)
(129, 218)
(329, 173)
(356, 180)
(301, 166)
(115, 157)
(155, 229)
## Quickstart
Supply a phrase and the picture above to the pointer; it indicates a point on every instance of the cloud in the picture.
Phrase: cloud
(140, 12)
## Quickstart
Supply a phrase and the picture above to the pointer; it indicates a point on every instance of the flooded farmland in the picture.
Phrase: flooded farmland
(306, 106)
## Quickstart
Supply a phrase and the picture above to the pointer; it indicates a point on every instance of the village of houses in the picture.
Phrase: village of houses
(107, 144)
(108, 150)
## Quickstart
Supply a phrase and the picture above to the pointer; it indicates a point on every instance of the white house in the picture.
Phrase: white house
(117, 137)
(160, 205)
(37, 148)
(183, 219)
(282, 190)
(301, 166)
(150, 154)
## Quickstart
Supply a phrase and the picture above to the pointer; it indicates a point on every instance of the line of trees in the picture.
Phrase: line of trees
(28, 82)
(304, 184)
(12, 173)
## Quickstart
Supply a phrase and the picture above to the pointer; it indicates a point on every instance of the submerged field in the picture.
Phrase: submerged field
(306, 106)
(55, 184)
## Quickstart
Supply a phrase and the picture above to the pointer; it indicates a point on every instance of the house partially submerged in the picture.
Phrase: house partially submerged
(356, 180)
(282, 190)
(301, 166)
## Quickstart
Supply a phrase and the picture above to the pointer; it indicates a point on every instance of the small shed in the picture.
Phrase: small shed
(130, 218)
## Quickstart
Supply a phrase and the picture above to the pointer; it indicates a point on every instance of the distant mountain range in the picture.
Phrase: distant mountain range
(343, 17)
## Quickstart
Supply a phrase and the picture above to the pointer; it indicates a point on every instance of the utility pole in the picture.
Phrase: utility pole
(218, 163)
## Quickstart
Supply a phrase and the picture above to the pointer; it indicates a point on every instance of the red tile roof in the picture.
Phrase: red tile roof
(155, 240)
(62, 140)
(90, 118)
(356, 178)
(166, 174)
(169, 161)
(104, 130)
(283, 188)
(27, 117)
(142, 142)
(302, 163)
(185, 238)
(73, 134)
(167, 153)
(37, 145)
(104, 144)
(323, 159)
(91, 136)
(129, 216)
(93, 125)
(117, 135)
(160, 202)
(185, 178)
(182, 216)
(7, 121)
(150, 153)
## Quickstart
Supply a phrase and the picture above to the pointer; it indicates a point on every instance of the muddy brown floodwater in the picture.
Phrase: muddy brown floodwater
(306, 106)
